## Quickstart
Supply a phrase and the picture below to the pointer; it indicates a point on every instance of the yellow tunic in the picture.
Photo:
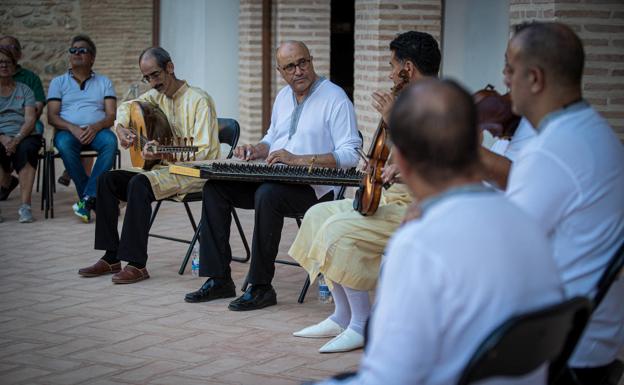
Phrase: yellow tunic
(344, 245)
(190, 112)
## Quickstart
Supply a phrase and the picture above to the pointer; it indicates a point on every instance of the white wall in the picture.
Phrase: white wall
(202, 38)
(475, 39)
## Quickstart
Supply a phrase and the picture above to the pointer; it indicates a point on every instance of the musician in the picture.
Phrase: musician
(81, 106)
(191, 113)
(570, 178)
(345, 246)
(312, 124)
(437, 300)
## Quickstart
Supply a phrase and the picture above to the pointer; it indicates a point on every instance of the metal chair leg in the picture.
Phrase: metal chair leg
(241, 232)
(189, 251)
(304, 290)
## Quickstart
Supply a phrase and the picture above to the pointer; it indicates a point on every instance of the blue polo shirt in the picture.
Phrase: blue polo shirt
(81, 103)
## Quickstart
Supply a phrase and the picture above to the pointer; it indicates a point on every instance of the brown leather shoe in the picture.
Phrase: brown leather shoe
(130, 274)
(101, 267)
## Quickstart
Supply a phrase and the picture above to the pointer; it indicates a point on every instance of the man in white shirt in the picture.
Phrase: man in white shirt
(312, 124)
(571, 179)
(444, 285)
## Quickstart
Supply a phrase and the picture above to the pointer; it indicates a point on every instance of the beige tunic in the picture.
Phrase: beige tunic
(344, 245)
(190, 112)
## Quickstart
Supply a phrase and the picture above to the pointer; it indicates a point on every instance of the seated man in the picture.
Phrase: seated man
(81, 106)
(570, 178)
(19, 145)
(191, 113)
(345, 246)
(33, 82)
(312, 124)
(437, 300)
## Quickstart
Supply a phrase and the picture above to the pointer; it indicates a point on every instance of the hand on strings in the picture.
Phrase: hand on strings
(246, 152)
(382, 102)
(282, 156)
(125, 136)
(390, 173)
(148, 151)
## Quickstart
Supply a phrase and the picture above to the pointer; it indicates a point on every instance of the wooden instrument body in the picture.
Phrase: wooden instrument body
(494, 112)
(368, 196)
(149, 123)
(259, 172)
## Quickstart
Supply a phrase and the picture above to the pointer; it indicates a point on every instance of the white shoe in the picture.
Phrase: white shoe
(323, 329)
(344, 342)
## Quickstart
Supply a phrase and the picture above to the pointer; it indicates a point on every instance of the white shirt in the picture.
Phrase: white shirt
(571, 179)
(445, 287)
(327, 124)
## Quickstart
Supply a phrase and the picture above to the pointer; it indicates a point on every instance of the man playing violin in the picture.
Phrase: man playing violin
(312, 124)
(191, 113)
(342, 244)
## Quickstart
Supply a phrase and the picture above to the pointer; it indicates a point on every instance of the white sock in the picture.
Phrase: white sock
(359, 303)
(342, 311)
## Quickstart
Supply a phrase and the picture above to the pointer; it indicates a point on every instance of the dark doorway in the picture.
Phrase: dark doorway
(342, 44)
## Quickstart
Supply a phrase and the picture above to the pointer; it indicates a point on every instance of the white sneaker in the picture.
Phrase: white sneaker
(25, 214)
(344, 342)
(323, 329)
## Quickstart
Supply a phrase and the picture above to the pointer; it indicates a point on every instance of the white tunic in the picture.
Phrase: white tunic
(444, 287)
(571, 179)
(327, 124)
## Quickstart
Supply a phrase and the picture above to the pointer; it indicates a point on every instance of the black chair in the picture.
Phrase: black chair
(49, 177)
(229, 132)
(523, 343)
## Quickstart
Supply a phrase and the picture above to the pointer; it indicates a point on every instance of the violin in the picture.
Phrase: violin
(494, 112)
(368, 194)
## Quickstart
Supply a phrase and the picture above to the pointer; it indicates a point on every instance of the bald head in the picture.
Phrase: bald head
(555, 48)
(433, 124)
(290, 46)
(159, 54)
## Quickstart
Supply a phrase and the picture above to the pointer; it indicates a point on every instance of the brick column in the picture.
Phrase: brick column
(377, 22)
(601, 27)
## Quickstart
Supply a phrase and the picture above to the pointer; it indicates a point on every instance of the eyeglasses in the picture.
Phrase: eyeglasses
(301, 63)
(79, 50)
(7, 63)
(154, 75)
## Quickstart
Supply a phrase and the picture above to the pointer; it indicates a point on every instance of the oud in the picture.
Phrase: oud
(148, 123)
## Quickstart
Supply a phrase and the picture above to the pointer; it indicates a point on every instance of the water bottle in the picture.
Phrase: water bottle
(195, 261)
(324, 293)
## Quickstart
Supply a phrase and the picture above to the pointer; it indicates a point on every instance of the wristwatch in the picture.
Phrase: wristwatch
(18, 135)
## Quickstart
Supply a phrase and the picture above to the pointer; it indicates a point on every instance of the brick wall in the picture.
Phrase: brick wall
(377, 22)
(292, 20)
(120, 29)
(600, 24)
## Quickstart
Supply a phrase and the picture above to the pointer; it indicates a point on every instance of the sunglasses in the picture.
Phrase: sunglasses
(79, 51)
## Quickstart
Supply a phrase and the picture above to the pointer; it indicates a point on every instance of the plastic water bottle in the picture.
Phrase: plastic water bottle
(324, 293)
(195, 261)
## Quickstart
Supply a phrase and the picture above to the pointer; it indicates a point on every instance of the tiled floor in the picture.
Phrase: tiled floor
(59, 328)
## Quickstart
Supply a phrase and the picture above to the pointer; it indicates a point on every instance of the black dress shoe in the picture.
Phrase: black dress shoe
(212, 289)
(256, 297)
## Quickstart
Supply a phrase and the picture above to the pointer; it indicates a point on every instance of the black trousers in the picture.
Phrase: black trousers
(120, 185)
(271, 202)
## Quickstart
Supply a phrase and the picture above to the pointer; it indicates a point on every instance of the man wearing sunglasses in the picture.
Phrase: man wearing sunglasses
(81, 106)
(191, 114)
(312, 124)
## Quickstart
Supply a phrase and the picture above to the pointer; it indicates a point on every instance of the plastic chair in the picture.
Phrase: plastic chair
(525, 342)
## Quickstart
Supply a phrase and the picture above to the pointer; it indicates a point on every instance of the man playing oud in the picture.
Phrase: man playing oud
(191, 113)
